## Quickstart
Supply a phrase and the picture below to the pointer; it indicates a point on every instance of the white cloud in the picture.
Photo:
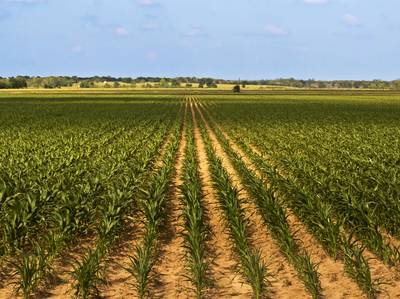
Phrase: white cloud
(4, 15)
(316, 2)
(274, 30)
(147, 2)
(195, 31)
(121, 31)
(152, 55)
(351, 20)
(24, 1)
(76, 49)
(150, 26)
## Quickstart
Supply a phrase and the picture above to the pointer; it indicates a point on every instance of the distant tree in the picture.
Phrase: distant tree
(18, 82)
(126, 80)
(164, 83)
(4, 83)
(236, 88)
(86, 84)
(201, 85)
(396, 84)
(54, 82)
(189, 85)
(35, 82)
(175, 84)
(116, 85)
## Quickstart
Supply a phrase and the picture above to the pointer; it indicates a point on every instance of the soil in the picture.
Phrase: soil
(285, 281)
(170, 275)
(333, 278)
(170, 269)
(225, 282)
(332, 275)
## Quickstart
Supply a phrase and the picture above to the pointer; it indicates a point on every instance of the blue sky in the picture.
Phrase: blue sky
(253, 39)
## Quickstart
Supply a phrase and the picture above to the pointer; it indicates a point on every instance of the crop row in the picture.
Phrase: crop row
(195, 229)
(152, 205)
(251, 264)
(83, 186)
(274, 216)
(326, 219)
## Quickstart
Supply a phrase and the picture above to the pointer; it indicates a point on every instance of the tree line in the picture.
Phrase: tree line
(162, 82)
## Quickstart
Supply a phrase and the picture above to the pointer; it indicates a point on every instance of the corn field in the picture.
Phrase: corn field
(206, 196)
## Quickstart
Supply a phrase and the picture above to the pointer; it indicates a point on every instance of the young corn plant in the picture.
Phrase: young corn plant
(114, 208)
(196, 231)
(275, 218)
(251, 264)
(317, 217)
(46, 186)
(88, 274)
(30, 269)
(152, 203)
(353, 211)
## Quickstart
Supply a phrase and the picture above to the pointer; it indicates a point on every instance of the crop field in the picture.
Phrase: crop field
(286, 194)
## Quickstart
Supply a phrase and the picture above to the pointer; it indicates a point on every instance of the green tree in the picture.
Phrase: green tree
(17, 82)
(164, 83)
(86, 84)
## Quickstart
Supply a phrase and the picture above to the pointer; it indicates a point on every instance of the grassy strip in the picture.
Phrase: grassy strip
(251, 264)
(275, 218)
(196, 231)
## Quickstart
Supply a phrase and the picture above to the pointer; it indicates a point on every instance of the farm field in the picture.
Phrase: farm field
(282, 194)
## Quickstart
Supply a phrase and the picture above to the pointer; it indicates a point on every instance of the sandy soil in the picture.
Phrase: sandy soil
(332, 286)
(6, 287)
(331, 271)
(285, 282)
(120, 282)
(389, 276)
(170, 268)
(61, 285)
(225, 282)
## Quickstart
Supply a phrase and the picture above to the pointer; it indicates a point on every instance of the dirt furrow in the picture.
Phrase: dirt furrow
(390, 277)
(6, 287)
(119, 281)
(61, 284)
(225, 281)
(332, 272)
(170, 268)
(285, 281)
